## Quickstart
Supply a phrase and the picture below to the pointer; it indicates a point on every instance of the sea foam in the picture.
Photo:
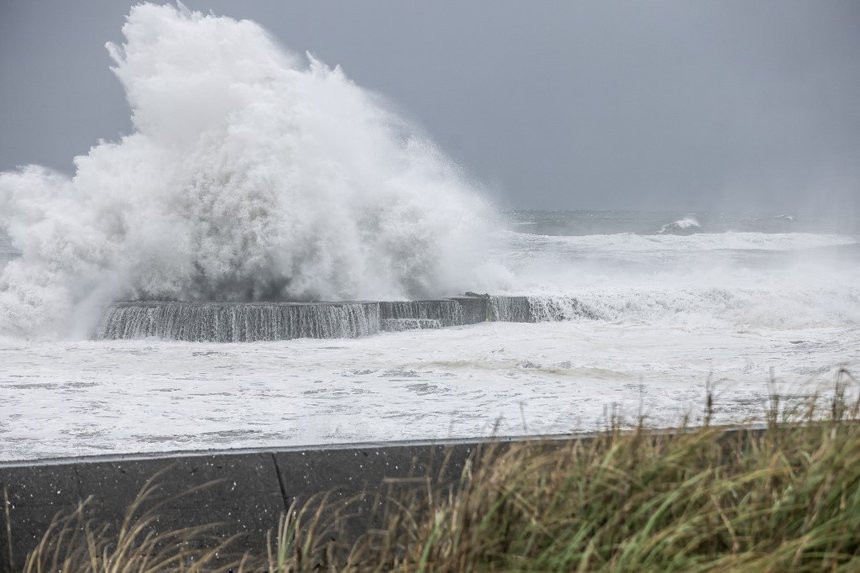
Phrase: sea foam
(251, 174)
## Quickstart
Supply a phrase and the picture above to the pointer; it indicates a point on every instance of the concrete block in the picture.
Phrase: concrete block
(240, 489)
(34, 485)
(242, 493)
(245, 492)
(474, 308)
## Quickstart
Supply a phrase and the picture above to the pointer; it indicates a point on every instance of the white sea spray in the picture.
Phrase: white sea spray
(251, 174)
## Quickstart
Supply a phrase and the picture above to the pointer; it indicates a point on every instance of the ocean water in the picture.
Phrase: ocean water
(256, 175)
(741, 304)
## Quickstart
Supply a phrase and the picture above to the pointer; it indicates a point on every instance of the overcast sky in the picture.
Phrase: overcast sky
(578, 105)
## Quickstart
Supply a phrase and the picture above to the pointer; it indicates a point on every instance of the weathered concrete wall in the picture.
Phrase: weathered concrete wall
(251, 321)
(474, 308)
(250, 490)
(247, 490)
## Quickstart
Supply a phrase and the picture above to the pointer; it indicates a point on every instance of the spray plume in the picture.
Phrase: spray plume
(251, 174)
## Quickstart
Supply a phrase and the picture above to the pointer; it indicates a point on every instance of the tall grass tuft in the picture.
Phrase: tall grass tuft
(784, 497)
(73, 543)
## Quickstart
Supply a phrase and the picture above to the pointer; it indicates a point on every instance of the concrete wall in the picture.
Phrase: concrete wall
(474, 308)
(247, 491)
(250, 490)
(250, 321)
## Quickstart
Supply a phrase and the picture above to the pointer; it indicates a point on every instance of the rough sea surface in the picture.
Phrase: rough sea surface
(678, 302)
(256, 175)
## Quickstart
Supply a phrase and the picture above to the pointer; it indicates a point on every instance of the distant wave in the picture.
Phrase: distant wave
(697, 242)
(684, 226)
(693, 307)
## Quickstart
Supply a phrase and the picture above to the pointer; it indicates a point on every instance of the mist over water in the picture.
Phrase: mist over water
(726, 271)
(252, 174)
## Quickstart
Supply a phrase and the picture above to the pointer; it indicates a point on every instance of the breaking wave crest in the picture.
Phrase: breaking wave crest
(684, 226)
(251, 174)
(689, 308)
(632, 242)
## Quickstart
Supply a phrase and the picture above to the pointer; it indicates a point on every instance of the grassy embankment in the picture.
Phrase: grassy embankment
(783, 498)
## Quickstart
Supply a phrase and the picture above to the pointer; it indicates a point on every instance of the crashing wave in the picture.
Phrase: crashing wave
(251, 174)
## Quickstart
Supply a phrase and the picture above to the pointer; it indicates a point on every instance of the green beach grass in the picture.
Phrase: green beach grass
(784, 496)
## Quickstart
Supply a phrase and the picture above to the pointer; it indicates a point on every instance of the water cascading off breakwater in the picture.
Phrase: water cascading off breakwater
(238, 322)
(248, 322)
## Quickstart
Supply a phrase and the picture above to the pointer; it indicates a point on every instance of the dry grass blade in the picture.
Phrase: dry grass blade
(74, 543)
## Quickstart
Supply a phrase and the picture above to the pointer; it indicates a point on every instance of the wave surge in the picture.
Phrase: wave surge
(252, 174)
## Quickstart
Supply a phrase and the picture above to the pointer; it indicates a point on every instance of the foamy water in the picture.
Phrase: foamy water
(659, 330)
(101, 397)
(295, 183)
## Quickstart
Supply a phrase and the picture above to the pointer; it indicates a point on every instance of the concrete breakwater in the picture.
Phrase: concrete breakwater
(252, 321)
(237, 322)
(246, 322)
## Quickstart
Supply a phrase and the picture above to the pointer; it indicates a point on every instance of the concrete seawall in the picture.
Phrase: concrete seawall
(215, 321)
(256, 321)
(247, 491)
